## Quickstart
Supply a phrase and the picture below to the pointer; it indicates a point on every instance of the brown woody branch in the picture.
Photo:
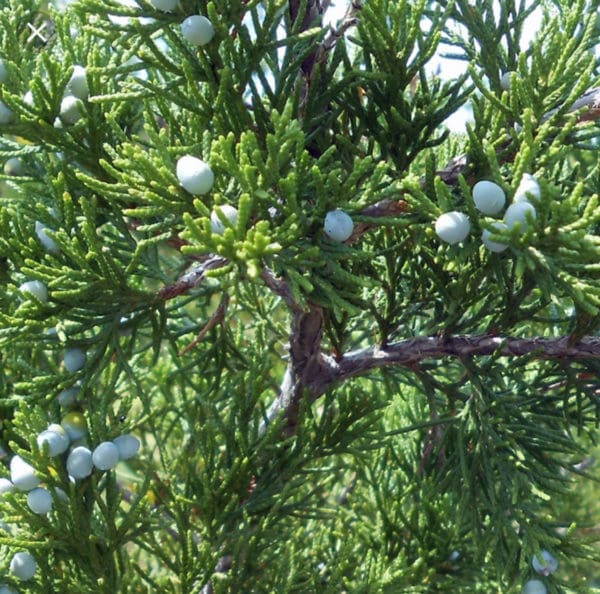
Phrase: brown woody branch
(311, 373)
(307, 369)
(412, 351)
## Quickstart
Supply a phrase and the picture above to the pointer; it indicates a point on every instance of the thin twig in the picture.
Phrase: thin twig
(192, 277)
(349, 20)
(217, 317)
(347, 490)
(434, 438)
(281, 288)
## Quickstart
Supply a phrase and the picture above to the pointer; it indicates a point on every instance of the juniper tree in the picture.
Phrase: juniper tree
(249, 244)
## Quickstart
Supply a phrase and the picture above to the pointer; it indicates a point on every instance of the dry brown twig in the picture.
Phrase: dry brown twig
(217, 318)
(192, 277)
(349, 20)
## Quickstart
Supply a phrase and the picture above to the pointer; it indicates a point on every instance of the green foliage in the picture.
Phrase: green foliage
(443, 476)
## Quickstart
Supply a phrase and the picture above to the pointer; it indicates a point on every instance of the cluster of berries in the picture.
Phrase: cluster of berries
(71, 106)
(197, 178)
(489, 198)
(80, 463)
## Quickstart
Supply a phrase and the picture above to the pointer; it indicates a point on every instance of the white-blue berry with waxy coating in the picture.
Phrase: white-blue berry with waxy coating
(489, 197)
(105, 456)
(39, 501)
(23, 474)
(128, 446)
(338, 225)
(518, 213)
(23, 566)
(198, 30)
(194, 175)
(79, 463)
(452, 227)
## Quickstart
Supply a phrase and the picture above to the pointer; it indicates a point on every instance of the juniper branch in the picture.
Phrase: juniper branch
(412, 351)
(311, 372)
(588, 106)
